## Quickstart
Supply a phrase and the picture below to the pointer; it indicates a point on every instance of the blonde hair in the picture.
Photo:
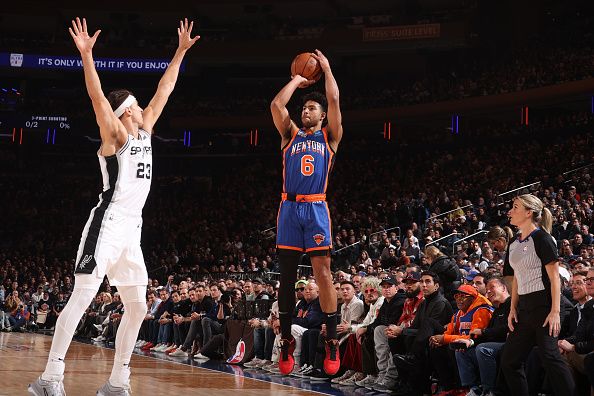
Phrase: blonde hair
(370, 281)
(497, 232)
(108, 297)
(540, 215)
(432, 252)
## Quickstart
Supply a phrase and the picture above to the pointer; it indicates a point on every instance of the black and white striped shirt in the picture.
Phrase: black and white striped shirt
(526, 260)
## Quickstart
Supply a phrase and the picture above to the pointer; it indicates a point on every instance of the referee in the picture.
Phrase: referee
(534, 314)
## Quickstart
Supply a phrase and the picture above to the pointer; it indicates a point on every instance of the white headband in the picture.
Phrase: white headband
(125, 104)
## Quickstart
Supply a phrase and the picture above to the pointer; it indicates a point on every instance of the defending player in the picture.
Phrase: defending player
(110, 243)
(303, 224)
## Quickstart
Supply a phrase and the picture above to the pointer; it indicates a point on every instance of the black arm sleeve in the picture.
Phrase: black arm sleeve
(545, 247)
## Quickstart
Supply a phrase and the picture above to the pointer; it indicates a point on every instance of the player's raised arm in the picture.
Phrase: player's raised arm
(110, 128)
(334, 116)
(278, 107)
(151, 113)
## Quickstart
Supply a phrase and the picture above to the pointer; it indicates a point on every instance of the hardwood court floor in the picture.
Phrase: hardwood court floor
(23, 357)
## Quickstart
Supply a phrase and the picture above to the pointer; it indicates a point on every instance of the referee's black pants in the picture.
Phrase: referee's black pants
(533, 309)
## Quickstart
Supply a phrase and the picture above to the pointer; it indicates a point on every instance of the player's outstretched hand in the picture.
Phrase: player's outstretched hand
(81, 37)
(322, 60)
(184, 32)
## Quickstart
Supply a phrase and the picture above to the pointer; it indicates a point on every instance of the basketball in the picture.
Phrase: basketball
(306, 66)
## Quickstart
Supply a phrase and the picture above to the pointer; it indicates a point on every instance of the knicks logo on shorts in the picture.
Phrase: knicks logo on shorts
(319, 238)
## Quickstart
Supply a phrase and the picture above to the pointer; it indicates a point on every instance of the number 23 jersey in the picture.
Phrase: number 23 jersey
(127, 174)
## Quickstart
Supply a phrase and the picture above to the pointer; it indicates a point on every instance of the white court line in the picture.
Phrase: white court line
(204, 368)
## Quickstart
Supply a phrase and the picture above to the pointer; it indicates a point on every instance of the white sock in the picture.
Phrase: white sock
(120, 375)
(54, 370)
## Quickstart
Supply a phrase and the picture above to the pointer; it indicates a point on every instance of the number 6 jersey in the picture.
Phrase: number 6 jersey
(303, 221)
(307, 160)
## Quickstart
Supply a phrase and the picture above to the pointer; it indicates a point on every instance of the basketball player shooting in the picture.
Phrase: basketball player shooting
(303, 218)
(110, 243)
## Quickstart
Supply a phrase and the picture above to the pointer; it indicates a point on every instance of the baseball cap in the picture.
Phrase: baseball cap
(389, 280)
(412, 277)
(301, 282)
(467, 289)
(471, 274)
(258, 280)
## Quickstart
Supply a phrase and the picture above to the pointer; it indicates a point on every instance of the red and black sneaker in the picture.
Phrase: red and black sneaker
(332, 359)
(286, 362)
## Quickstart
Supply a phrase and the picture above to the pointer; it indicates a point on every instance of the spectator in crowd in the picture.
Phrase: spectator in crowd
(578, 349)
(446, 269)
(85, 326)
(432, 315)
(477, 364)
(412, 249)
(201, 304)
(351, 313)
(213, 320)
(248, 289)
(479, 281)
(114, 320)
(414, 297)
(361, 342)
(474, 312)
(389, 313)
(499, 238)
(160, 329)
(259, 292)
(18, 313)
(307, 315)
(57, 308)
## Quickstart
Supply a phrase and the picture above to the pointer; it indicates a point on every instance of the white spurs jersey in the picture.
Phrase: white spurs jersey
(127, 175)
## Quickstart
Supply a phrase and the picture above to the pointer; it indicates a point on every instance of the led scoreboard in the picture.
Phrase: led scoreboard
(32, 128)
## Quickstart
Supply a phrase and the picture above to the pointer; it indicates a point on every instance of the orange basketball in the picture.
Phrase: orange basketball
(306, 66)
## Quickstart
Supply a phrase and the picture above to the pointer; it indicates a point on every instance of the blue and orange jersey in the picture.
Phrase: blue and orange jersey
(307, 161)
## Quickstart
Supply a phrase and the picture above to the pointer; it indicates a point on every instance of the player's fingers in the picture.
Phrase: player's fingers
(190, 28)
(72, 33)
(186, 23)
(96, 34)
(181, 25)
(74, 27)
(84, 24)
(79, 24)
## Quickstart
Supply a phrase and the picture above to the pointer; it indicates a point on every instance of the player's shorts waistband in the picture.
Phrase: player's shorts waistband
(303, 198)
